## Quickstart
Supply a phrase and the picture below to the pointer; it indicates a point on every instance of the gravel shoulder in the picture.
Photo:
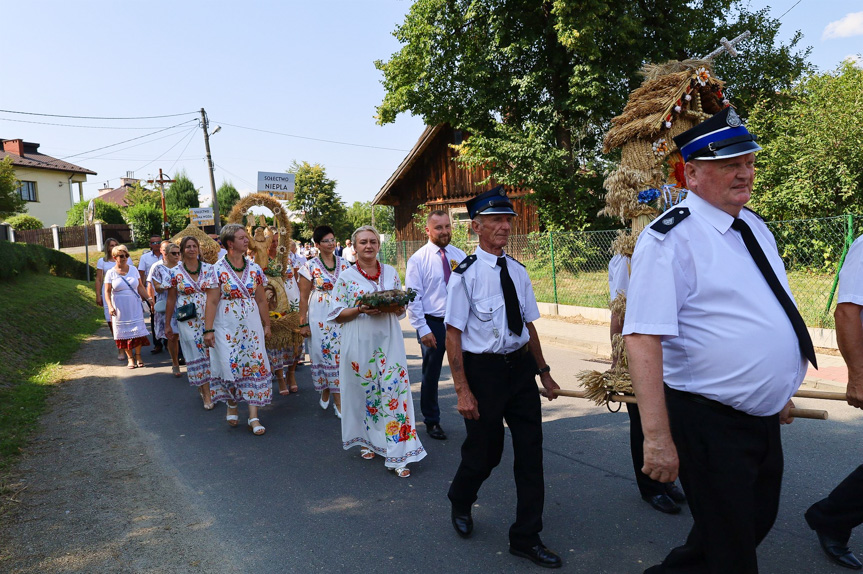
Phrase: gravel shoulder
(91, 494)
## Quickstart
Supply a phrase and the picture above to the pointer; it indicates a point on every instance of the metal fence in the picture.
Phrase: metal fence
(571, 268)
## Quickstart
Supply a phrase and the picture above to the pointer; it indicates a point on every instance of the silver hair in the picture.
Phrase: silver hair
(365, 228)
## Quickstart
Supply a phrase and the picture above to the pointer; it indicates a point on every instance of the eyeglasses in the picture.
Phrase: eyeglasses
(327, 241)
(123, 256)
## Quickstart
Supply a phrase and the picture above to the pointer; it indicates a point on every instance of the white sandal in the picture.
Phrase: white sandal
(337, 411)
(367, 453)
(234, 419)
(259, 430)
(402, 472)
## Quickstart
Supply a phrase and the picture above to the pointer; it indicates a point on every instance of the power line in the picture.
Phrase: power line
(80, 126)
(790, 9)
(97, 117)
(128, 140)
(100, 156)
(191, 131)
(184, 149)
(246, 181)
(307, 138)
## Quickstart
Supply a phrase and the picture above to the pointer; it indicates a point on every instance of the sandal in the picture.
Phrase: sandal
(233, 419)
(140, 364)
(176, 371)
(131, 365)
(283, 387)
(337, 411)
(293, 383)
(121, 356)
(402, 472)
(208, 406)
(257, 430)
(367, 453)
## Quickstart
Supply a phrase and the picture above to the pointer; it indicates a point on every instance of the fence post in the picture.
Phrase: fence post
(55, 232)
(10, 233)
(849, 239)
(553, 270)
(405, 254)
(98, 226)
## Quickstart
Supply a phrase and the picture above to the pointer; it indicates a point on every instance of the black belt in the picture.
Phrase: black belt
(702, 400)
(434, 319)
(518, 353)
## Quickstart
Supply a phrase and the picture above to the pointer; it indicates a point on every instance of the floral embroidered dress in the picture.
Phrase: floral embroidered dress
(130, 331)
(238, 362)
(160, 274)
(377, 405)
(324, 342)
(191, 332)
(284, 357)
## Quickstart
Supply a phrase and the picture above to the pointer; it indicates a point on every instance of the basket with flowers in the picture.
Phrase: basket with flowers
(389, 301)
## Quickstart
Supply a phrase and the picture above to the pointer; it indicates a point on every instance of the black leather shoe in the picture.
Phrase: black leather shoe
(539, 555)
(675, 493)
(156, 350)
(436, 432)
(838, 552)
(662, 503)
(463, 523)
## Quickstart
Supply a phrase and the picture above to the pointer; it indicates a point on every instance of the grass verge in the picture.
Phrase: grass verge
(44, 321)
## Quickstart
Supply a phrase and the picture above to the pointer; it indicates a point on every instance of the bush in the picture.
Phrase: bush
(146, 220)
(103, 211)
(23, 221)
(20, 258)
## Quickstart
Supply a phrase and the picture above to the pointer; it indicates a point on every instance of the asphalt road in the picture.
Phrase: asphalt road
(294, 501)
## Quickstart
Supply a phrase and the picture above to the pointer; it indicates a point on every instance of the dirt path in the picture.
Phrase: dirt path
(93, 496)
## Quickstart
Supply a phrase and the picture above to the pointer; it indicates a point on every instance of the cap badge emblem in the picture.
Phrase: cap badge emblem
(732, 119)
(502, 192)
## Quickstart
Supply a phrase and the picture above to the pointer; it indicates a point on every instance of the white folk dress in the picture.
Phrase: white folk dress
(377, 405)
(105, 266)
(324, 341)
(239, 365)
(191, 332)
(283, 358)
(129, 328)
(160, 274)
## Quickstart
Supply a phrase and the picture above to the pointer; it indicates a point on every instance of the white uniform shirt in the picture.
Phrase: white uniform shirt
(482, 317)
(350, 254)
(618, 275)
(147, 261)
(724, 334)
(425, 276)
(851, 276)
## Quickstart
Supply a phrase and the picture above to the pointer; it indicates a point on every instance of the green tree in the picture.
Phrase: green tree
(535, 84)
(315, 195)
(11, 201)
(812, 162)
(23, 221)
(182, 193)
(140, 194)
(103, 211)
(360, 213)
(227, 195)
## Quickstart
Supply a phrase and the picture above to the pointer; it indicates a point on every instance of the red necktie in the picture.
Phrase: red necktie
(447, 270)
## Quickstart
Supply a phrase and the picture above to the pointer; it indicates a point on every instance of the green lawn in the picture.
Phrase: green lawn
(95, 255)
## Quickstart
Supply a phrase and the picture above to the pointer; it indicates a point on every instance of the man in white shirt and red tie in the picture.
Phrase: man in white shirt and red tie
(428, 274)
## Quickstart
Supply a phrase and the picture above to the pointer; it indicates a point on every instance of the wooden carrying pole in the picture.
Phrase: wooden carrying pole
(795, 412)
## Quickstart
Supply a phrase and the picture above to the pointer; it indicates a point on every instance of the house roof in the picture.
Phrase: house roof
(116, 196)
(33, 158)
(427, 136)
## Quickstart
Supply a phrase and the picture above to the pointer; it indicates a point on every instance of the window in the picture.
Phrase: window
(459, 216)
(27, 190)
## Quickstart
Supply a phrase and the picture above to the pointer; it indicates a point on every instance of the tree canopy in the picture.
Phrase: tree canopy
(360, 213)
(536, 83)
(102, 211)
(812, 161)
(11, 201)
(227, 195)
(182, 193)
(315, 195)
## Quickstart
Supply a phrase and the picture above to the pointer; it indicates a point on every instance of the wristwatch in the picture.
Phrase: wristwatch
(545, 369)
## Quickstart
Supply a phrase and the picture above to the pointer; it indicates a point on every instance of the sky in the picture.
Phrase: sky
(301, 68)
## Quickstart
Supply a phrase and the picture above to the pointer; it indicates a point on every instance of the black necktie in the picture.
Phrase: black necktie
(787, 304)
(510, 298)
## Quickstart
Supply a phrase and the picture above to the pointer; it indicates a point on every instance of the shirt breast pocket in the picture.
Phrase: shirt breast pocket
(487, 308)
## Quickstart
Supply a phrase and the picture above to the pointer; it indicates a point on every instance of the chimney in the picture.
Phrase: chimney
(14, 146)
(106, 189)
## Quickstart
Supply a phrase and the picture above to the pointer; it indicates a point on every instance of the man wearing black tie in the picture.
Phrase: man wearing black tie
(716, 350)
(494, 356)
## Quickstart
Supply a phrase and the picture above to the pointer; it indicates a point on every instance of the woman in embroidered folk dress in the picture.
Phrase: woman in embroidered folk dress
(318, 276)
(283, 359)
(235, 325)
(378, 409)
(160, 279)
(188, 285)
(123, 295)
(105, 263)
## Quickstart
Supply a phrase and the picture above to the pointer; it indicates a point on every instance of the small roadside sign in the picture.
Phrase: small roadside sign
(201, 216)
(278, 185)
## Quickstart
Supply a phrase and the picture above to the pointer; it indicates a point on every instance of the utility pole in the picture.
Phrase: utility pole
(206, 126)
(162, 181)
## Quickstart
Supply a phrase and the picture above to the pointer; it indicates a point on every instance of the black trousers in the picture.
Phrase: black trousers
(504, 390)
(731, 469)
(432, 361)
(646, 485)
(842, 510)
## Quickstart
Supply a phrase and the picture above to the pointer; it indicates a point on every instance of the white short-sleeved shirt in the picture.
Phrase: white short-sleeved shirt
(618, 275)
(724, 334)
(147, 261)
(425, 275)
(851, 276)
(475, 305)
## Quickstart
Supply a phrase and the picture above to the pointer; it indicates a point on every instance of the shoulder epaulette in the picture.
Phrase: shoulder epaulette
(466, 262)
(755, 213)
(511, 258)
(669, 219)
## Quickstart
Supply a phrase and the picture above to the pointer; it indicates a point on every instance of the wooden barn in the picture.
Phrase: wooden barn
(429, 175)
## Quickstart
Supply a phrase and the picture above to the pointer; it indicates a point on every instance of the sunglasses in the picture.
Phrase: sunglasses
(123, 256)
(174, 253)
(155, 242)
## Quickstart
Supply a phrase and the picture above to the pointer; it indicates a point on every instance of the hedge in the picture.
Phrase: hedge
(20, 258)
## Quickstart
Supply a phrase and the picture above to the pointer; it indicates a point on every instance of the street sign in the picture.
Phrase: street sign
(201, 216)
(278, 185)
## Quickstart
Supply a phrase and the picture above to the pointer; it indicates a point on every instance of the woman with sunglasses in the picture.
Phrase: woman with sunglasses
(317, 278)
(105, 263)
(124, 293)
(188, 285)
(160, 279)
